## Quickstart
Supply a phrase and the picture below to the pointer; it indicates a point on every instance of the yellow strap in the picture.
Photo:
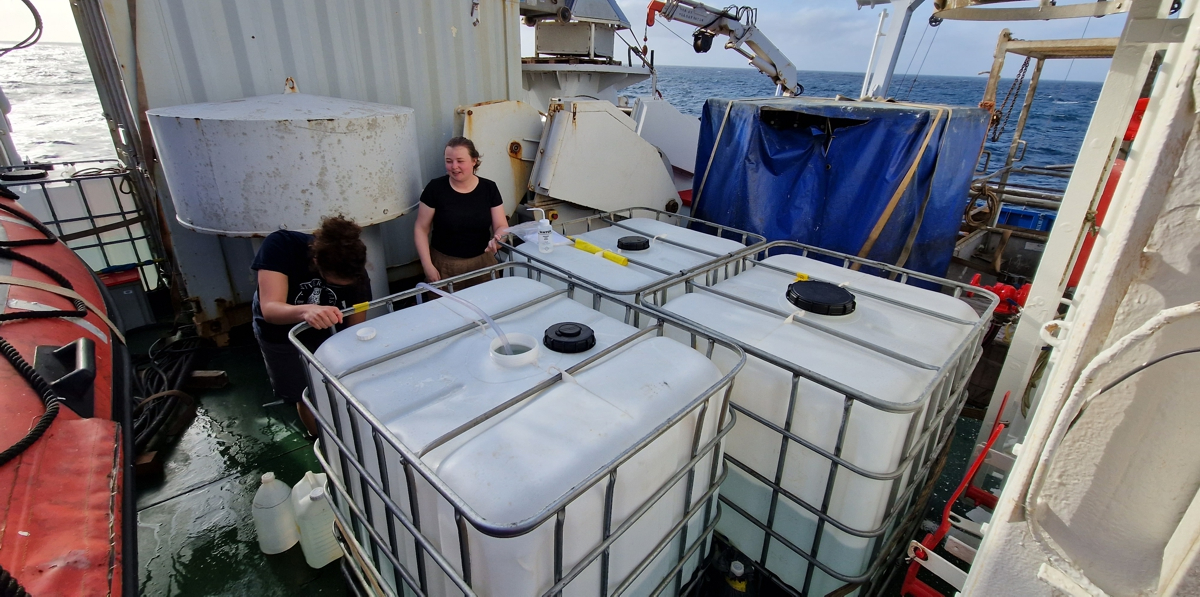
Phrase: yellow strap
(361, 307)
(891, 206)
(67, 292)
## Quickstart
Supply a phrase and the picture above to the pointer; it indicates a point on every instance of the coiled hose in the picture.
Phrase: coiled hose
(49, 399)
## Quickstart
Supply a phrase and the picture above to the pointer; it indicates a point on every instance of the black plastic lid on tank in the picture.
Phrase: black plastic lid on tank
(633, 243)
(821, 298)
(568, 337)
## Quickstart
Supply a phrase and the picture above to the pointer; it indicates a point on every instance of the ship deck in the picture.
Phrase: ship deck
(195, 532)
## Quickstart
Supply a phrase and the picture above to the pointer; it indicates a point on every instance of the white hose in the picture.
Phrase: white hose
(1075, 404)
(477, 310)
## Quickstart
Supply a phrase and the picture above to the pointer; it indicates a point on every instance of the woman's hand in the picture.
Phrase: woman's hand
(431, 274)
(321, 317)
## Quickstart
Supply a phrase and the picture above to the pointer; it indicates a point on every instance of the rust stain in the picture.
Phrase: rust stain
(514, 149)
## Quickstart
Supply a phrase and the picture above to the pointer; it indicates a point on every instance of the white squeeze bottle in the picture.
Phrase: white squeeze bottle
(545, 233)
(315, 516)
(274, 520)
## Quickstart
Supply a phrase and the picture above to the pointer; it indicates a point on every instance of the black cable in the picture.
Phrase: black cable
(159, 377)
(9, 587)
(33, 37)
(39, 385)
(1146, 365)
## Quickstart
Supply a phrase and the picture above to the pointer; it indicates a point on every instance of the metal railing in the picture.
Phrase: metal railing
(385, 492)
(616, 219)
(933, 411)
(94, 211)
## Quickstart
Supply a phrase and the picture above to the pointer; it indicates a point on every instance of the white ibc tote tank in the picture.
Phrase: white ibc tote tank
(509, 439)
(640, 248)
(867, 373)
(249, 167)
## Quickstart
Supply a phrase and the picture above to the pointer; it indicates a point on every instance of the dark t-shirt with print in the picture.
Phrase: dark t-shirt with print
(462, 222)
(289, 253)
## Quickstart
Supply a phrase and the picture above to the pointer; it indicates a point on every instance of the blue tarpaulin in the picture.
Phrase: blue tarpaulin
(823, 172)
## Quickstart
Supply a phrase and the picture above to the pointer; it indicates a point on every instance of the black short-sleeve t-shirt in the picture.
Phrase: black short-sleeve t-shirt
(462, 222)
(289, 253)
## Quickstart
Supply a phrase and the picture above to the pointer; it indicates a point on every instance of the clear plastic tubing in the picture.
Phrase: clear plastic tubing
(471, 306)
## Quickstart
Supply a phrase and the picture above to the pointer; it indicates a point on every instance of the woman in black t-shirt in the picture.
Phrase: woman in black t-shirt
(465, 214)
(309, 278)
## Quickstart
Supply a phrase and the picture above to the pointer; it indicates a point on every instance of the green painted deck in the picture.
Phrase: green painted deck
(195, 533)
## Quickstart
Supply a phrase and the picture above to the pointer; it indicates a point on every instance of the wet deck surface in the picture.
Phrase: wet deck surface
(195, 532)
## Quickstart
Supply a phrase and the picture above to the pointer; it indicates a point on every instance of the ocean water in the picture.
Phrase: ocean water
(56, 115)
(1057, 123)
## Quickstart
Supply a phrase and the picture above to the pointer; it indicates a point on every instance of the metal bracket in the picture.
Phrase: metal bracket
(960, 549)
(937, 565)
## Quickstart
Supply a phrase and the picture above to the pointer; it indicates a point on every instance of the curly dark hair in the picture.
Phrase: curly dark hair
(338, 250)
(471, 151)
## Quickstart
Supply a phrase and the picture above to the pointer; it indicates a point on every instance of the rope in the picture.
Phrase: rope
(49, 399)
(48, 236)
(9, 587)
(891, 206)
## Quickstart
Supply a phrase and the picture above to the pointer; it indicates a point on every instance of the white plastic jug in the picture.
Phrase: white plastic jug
(315, 517)
(305, 485)
(274, 520)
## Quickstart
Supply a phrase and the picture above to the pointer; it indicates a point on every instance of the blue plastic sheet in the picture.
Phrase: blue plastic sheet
(823, 171)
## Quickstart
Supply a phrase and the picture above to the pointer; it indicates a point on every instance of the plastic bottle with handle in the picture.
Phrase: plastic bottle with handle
(305, 485)
(274, 519)
(315, 517)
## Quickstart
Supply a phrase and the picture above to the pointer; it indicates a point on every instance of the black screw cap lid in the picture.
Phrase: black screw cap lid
(633, 243)
(821, 298)
(568, 337)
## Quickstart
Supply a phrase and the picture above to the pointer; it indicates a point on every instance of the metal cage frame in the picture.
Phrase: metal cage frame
(383, 551)
(923, 445)
(614, 218)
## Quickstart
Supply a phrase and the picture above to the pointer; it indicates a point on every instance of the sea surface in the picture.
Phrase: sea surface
(56, 114)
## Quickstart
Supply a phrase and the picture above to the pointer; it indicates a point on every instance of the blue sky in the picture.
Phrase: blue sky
(815, 34)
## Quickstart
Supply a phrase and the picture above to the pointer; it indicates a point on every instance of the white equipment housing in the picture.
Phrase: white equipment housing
(628, 172)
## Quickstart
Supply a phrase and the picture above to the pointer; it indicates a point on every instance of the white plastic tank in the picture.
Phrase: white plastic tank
(248, 167)
(517, 463)
(881, 349)
(644, 251)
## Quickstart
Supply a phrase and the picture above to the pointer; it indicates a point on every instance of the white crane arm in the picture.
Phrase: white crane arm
(744, 38)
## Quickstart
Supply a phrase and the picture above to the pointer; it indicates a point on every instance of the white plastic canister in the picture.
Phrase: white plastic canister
(519, 462)
(874, 440)
(315, 518)
(274, 520)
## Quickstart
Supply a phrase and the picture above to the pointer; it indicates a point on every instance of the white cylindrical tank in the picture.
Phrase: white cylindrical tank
(516, 463)
(868, 373)
(248, 167)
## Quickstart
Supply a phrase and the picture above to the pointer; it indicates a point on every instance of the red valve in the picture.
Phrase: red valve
(1012, 298)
